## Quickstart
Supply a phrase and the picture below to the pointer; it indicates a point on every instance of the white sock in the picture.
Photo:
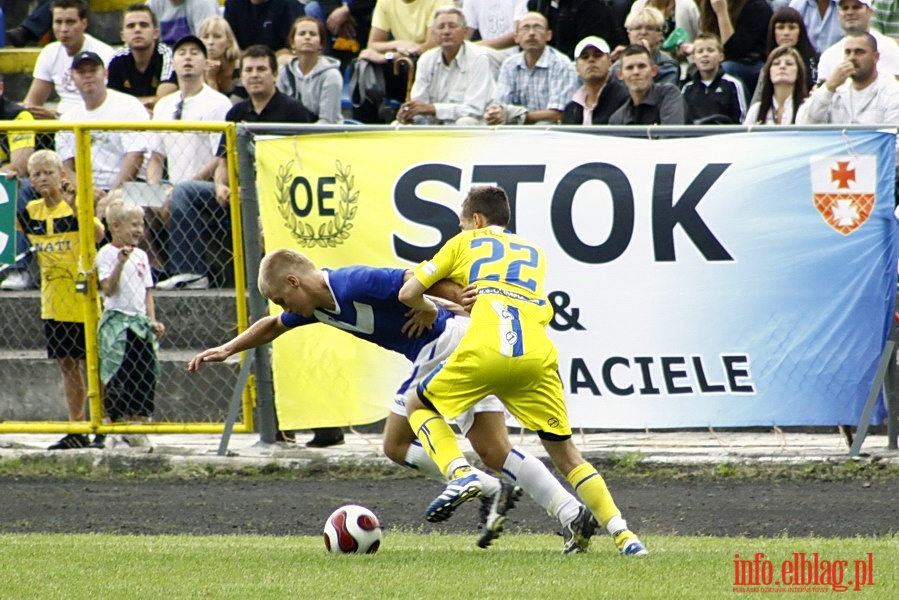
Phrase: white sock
(531, 474)
(417, 458)
(457, 463)
(616, 525)
(490, 485)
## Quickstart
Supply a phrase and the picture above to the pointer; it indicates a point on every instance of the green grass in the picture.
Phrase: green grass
(409, 565)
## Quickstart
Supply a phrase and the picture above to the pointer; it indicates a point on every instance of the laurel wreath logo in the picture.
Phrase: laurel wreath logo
(329, 234)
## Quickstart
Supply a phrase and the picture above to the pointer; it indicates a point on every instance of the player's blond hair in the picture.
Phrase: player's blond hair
(45, 157)
(118, 210)
(277, 265)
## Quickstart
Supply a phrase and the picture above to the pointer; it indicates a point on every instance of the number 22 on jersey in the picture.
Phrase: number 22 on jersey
(510, 263)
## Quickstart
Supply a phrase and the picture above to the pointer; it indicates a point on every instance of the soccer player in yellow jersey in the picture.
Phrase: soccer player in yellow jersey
(506, 351)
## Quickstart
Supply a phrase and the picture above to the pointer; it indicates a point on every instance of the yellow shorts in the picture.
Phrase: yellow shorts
(528, 386)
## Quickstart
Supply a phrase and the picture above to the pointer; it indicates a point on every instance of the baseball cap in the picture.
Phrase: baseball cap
(591, 40)
(191, 39)
(868, 3)
(87, 55)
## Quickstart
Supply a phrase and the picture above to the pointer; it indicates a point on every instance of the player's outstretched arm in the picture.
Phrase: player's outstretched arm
(261, 332)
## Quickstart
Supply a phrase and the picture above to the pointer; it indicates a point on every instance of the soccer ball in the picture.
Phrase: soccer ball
(352, 529)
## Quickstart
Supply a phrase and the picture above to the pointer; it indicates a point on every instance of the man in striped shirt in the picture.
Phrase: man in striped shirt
(535, 85)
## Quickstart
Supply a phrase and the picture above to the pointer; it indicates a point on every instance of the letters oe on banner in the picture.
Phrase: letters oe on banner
(732, 280)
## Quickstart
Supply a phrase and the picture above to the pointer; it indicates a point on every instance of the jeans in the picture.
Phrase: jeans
(40, 20)
(196, 219)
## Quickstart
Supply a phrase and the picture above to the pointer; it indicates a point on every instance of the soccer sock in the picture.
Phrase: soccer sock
(417, 458)
(591, 488)
(531, 474)
(438, 440)
(490, 485)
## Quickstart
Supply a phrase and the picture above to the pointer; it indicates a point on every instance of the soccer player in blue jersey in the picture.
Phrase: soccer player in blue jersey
(363, 302)
(506, 351)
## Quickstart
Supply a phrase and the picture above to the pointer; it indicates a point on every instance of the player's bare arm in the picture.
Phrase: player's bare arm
(469, 295)
(412, 295)
(261, 332)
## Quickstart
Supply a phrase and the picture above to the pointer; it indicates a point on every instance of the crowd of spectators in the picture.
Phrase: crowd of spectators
(470, 62)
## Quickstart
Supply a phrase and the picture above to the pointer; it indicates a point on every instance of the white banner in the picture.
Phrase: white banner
(731, 280)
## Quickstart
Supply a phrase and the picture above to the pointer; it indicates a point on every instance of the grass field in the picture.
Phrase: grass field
(430, 567)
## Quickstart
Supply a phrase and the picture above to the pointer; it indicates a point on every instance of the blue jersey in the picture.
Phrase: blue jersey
(368, 307)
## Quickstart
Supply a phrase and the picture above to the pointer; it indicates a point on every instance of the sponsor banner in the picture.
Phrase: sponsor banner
(731, 280)
(7, 220)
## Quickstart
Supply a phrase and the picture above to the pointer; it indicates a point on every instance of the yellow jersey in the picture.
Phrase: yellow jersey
(512, 311)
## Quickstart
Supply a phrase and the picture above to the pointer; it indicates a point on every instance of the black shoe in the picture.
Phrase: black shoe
(99, 442)
(19, 37)
(70, 442)
(326, 437)
(494, 510)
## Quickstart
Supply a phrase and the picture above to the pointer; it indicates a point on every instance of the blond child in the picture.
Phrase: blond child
(51, 225)
(129, 331)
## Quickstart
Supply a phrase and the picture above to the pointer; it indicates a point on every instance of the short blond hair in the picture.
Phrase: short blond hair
(646, 15)
(118, 210)
(45, 157)
(277, 265)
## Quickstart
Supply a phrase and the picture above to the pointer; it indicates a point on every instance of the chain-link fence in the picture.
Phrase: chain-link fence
(111, 293)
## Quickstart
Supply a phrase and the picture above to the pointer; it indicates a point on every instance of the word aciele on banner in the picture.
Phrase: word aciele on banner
(659, 375)
(802, 573)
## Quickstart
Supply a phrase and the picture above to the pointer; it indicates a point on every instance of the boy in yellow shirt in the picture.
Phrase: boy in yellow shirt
(51, 225)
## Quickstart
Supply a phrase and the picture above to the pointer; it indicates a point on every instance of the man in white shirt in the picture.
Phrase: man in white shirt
(189, 156)
(855, 93)
(53, 71)
(452, 82)
(855, 17)
(116, 156)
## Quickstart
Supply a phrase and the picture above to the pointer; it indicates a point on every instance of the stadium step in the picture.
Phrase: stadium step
(30, 387)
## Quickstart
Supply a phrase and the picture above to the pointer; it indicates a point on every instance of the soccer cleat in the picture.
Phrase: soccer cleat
(99, 442)
(628, 544)
(457, 492)
(576, 535)
(494, 509)
(70, 442)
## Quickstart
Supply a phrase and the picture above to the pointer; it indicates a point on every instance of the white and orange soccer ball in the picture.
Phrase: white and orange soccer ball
(352, 529)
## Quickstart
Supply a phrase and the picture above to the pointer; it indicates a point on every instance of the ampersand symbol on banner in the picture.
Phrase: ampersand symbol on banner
(566, 319)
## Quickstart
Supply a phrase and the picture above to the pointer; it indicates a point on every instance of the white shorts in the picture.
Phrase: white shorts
(428, 359)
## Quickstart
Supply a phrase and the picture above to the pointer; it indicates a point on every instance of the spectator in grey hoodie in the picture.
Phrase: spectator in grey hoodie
(311, 77)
